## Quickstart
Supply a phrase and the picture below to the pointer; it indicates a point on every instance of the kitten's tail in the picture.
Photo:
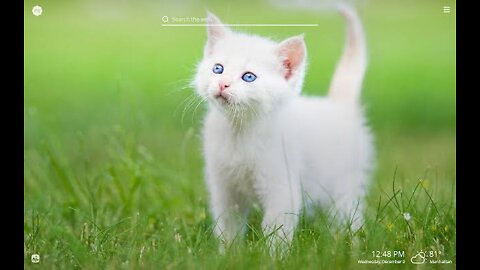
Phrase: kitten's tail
(347, 81)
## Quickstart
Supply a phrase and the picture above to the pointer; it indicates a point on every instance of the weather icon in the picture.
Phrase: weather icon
(419, 258)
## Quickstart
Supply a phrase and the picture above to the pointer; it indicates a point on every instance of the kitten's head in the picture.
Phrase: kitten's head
(246, 73)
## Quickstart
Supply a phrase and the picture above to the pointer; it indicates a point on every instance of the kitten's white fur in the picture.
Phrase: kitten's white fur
(266, 143)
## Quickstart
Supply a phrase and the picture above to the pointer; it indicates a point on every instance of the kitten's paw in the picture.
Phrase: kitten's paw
(222, 247)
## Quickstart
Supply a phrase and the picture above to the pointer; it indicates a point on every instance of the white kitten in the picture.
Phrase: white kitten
(266, 143)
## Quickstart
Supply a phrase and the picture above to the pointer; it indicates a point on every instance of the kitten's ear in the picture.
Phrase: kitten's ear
(215, 30)
(292, 53)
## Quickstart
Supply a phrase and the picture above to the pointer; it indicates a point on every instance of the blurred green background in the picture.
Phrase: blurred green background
(108, 138)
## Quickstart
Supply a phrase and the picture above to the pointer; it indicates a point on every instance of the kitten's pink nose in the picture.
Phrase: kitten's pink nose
(222, 85)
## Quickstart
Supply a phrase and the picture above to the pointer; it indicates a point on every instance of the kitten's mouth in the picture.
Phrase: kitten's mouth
(222, 98)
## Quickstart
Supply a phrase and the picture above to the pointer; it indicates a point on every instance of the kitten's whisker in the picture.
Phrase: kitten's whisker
(235, 117)
(180, 85)
(183, 103)
(196, 107)
(188, 104)
(241, 116)
(191, 102)
(252, 109)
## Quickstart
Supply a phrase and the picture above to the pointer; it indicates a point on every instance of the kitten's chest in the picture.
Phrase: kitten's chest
(234, 156)
(236, 166)
(239, 156)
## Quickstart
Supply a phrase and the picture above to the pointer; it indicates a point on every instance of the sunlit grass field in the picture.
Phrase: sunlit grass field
(113, 169)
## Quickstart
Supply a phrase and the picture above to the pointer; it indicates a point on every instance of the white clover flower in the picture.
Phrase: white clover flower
(407, 216)
(178, 237)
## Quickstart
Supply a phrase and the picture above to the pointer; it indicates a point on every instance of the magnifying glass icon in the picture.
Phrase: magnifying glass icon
(165, 19)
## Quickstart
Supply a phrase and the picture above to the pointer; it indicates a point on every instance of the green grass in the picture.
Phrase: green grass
(113, 167)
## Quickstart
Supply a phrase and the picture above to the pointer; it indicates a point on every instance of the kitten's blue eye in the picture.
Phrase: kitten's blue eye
(217, 69)
(249, 77)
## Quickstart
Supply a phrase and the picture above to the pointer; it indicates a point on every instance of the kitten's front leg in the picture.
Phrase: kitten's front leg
(229, 212)
(282, 206)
